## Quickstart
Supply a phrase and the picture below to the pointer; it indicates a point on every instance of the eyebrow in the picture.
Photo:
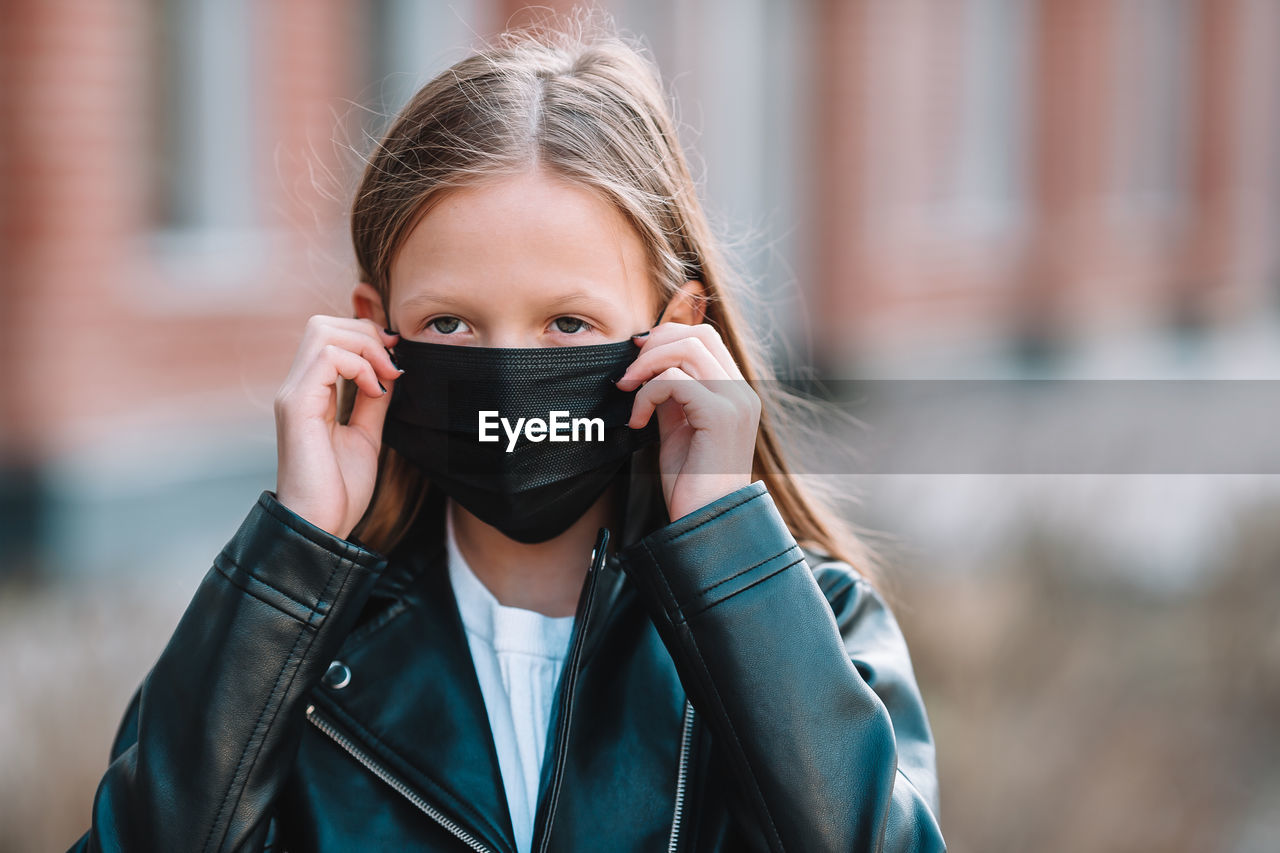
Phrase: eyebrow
(430, 299)
(571, 298)
(582, 296)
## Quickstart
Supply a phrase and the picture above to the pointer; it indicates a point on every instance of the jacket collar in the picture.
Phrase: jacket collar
(414, 697)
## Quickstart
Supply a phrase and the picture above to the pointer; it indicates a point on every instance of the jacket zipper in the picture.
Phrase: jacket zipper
(682, 779)
(598, 556)
(385, 775)
(597, 559)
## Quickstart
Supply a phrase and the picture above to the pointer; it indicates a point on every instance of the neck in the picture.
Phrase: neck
(545, 577)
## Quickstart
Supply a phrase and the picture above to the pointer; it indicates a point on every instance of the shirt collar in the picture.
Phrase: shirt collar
(509, 629)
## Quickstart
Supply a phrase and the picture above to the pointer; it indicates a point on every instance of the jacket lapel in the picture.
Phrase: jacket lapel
(414, 694)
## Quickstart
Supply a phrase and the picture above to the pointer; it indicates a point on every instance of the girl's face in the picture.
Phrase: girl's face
(526, 261)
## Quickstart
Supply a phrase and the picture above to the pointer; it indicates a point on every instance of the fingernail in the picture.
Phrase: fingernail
(616, 379)
(644, 334)
(389, 332)
(392, 356)
(383, 387)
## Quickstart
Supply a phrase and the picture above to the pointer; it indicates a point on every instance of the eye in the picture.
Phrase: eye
(444, 325)
(571, 325)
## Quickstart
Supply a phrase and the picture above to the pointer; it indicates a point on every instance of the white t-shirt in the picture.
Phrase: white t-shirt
(518, 655)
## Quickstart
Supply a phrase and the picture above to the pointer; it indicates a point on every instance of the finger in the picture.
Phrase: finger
(359, 342)
(333, 361)
(688, 353)
(665, 333)
(317, 323)
(702, 408)
(368, 414)
(670, 417)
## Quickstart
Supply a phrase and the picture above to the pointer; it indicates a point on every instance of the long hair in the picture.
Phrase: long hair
(588, 104)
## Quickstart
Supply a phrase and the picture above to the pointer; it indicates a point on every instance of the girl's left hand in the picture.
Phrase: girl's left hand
(707, 413)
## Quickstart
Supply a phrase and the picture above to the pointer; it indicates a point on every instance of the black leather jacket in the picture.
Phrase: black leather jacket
(724, 690)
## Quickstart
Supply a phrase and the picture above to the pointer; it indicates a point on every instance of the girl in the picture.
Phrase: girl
(457, 625)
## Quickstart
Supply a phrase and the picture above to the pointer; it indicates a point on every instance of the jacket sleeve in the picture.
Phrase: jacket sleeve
(214, 728)
(812, 696)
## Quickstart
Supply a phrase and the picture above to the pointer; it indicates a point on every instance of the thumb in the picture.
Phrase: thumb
(369, 413)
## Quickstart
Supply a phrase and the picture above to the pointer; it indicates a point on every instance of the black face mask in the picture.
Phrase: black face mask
(535, 490)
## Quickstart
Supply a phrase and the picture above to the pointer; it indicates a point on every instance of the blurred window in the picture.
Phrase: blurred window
(203, 171)
(1151, 99)
(737, 70)
(948, 116)
(411, 41)
(981, 154)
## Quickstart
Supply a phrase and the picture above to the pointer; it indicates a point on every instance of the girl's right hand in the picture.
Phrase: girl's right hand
(326, 470)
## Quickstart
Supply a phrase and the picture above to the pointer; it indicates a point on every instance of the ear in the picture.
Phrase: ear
(367, 304)
(688, 305)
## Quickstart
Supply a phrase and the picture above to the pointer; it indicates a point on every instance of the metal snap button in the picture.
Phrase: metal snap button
(338, 675)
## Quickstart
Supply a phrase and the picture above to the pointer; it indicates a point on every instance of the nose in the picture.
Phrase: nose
(507, 337)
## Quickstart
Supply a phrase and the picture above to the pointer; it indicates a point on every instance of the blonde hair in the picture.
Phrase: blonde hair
(586, 103)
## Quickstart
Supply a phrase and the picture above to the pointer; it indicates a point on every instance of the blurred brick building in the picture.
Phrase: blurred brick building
(929, 173)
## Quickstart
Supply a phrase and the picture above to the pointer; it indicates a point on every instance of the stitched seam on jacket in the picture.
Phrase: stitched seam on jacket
(707, 521)
(697, 654)
(351, 567)
(275, 688)
(741, 572)
(756, 582)
(258, 725)
(657, 570)
(238, 583)
(217, 818)
(404, 592)
(385, 617)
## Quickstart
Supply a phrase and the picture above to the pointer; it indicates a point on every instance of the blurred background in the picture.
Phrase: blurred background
(941, 189)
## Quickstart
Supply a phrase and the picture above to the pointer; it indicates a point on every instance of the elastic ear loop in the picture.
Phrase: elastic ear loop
(387, 315)
(661, 314)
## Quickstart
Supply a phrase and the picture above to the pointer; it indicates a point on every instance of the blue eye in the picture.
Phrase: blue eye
(445, 325)
(570, 325)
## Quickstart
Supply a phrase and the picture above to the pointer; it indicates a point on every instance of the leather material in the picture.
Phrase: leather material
(808, 731)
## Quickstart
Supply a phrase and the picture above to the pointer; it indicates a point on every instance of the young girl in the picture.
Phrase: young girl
(535, 575)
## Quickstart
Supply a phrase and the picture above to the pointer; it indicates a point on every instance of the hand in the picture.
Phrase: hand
(326, 471)
(707, 413)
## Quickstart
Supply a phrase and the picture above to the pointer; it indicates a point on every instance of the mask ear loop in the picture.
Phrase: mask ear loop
(387, 328)
(661, 314)
(387, 315)
(656, 322)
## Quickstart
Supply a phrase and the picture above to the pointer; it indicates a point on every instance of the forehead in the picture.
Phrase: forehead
(532, 235)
